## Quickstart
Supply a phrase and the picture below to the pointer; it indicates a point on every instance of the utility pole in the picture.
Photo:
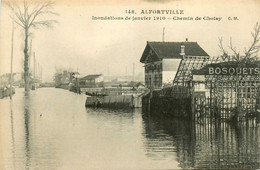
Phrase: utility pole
(163, 34)
(133, 72)
(108, 76)
(95, 68)
(12, 52)
(77, 79)
(34, 72)
(37, 71)
(41, 73)
(30, 56)
(126, 73)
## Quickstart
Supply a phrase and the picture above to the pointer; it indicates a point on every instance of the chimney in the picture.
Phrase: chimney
(182, 50)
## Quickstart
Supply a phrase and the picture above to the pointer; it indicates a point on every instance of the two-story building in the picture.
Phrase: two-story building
(162, 61)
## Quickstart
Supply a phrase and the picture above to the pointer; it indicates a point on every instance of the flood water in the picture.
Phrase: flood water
(52, 129)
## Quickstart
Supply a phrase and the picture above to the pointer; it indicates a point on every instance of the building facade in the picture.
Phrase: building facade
(93, 80)
(162, 61)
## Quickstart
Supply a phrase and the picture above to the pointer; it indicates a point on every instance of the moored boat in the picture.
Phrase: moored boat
(114, 101)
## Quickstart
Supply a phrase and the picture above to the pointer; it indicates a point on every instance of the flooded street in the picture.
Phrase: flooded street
(52, 129)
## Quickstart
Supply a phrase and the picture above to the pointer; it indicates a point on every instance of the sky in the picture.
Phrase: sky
(89, 46)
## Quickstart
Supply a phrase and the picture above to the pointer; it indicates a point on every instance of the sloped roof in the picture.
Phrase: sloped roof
(90, 77)
(172, 50)
(135, 84)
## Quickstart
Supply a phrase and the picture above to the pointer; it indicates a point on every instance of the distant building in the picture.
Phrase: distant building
(162, 60)
(5, 78)
(73, 75)
(122, 79)
(66, 77)
(93, 80)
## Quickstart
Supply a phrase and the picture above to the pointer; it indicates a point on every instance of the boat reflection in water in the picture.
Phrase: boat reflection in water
(210, 145)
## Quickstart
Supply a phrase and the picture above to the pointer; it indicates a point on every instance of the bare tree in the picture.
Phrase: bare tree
(29, 14)
(250, 54)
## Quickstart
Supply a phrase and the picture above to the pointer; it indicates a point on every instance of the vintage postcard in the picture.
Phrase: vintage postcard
(142, 84)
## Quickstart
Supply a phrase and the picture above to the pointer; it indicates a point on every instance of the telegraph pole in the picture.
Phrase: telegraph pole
(37, 71)
(163, 34)
(30, 55)
(12, 52)
(133, 72)
(34, 70)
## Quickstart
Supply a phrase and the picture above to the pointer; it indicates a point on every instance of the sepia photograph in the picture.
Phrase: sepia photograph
(129, 84)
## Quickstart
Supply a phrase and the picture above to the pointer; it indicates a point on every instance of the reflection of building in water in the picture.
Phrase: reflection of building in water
(227, 146)
(204, 145)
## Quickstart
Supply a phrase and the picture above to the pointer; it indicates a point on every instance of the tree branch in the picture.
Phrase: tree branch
(43, 23)
(232, 48)
(224, 56)
(254, 48)
(17, 12)
(21, 25)
(42, 9)
(26, 17)
(236, 55)
(250, 54)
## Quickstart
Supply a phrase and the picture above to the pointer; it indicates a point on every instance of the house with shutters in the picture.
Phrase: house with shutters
(162, 61)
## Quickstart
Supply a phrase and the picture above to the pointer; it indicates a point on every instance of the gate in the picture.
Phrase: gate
(226, 90)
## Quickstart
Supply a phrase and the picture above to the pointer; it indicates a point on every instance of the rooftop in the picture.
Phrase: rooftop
(90, 77)
(170, 50)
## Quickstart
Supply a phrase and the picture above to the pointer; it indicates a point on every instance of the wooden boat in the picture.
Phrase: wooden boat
(114, 101)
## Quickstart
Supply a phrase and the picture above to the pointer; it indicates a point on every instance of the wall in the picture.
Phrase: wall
(154, 71)
(99, 79)
(170, 68)
(167, 107)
